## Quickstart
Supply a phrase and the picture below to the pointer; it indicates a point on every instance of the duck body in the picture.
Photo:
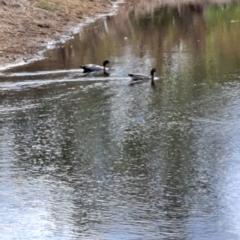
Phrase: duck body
(139, 77)
(93, 68)
(143, 77)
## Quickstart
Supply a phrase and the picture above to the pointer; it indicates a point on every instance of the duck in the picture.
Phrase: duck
(142, 77)
(90, 68)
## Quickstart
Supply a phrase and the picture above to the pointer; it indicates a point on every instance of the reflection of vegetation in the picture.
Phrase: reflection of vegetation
(161, 16)
(211, 35)
(222, 49)
(224, 14)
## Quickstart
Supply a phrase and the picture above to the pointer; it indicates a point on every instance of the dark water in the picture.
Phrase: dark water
(95, 158)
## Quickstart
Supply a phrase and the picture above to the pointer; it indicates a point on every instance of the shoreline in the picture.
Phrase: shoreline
(37, 52)
(27, 47)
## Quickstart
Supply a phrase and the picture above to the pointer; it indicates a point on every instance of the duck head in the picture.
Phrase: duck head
(153, 71)
(105, 63)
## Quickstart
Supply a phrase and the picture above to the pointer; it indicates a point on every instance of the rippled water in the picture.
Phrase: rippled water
(95, 158)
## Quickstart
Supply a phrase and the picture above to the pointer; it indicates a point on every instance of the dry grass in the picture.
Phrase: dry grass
(27, 24)
(74, 8)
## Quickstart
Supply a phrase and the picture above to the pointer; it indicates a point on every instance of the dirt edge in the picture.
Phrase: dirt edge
(25, 38)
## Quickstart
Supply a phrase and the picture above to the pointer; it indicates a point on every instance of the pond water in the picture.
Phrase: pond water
(95, 158)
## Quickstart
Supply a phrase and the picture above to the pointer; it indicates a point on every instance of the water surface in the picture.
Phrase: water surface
(94, 158)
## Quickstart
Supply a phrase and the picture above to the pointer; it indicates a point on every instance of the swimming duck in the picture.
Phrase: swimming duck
(142, 77)
(95, 68)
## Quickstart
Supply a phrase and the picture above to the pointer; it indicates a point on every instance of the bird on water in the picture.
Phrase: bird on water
(143, 77)
(93, 68)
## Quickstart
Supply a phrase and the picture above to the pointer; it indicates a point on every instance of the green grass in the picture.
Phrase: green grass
(45, 5)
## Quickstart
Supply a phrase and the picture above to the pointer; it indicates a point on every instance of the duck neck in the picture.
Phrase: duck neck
(152, 80)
